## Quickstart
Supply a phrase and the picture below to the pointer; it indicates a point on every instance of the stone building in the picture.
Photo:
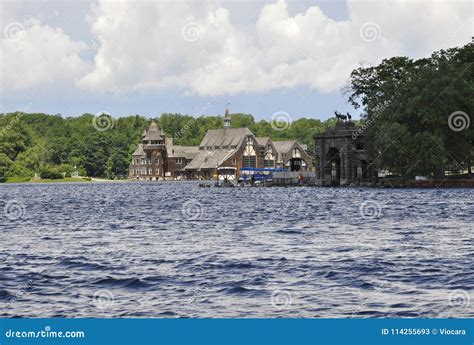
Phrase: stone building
(224, 148)
(237, 148)
(157, 158)
(342, 158)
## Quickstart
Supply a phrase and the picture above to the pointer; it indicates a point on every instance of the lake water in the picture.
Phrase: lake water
(172, 249)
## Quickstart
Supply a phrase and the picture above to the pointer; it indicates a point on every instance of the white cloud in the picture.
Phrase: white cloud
(33, 55)
(196, 46)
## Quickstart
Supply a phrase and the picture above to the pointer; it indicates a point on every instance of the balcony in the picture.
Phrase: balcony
(154, 146)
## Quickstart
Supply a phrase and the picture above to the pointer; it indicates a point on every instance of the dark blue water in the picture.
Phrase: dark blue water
(176, 250)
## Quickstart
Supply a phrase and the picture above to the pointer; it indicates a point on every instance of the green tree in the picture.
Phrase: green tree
(407, 106)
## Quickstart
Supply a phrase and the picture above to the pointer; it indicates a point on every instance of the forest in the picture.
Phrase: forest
(416, 116)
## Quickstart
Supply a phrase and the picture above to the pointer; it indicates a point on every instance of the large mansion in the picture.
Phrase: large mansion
(157, 158)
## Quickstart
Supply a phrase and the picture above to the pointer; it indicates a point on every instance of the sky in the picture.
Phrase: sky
(194, 57)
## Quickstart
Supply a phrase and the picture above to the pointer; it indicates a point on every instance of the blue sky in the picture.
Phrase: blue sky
(151, 57)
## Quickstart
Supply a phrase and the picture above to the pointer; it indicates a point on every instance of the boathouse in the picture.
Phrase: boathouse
(227, 148)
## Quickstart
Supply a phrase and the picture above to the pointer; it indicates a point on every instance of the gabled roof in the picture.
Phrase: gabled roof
(139, 151)
(262, 141)
(209, 159)
(283, 147)
(188, 152)
(224, 137)
(153, 133)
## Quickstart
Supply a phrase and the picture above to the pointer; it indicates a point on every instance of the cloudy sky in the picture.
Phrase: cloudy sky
(150, 57)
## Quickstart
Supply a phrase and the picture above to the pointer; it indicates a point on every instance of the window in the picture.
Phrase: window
(143, 160)
(268, 163)
(150, 171)
(143, 171)
(249, 162)
(250, 158)
(296, 153)
(157, 160)
(234, 161)
(179, 161)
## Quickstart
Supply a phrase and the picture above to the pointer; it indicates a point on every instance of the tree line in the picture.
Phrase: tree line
(102, 147)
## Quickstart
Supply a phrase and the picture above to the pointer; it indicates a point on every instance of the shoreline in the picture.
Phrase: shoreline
(381, 184)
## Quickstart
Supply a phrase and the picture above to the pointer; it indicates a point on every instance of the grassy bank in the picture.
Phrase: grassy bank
(67, 179)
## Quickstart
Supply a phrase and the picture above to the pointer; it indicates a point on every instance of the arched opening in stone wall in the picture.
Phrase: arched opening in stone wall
(333, 166)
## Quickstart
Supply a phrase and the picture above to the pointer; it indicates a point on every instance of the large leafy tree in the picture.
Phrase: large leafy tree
(407, 106)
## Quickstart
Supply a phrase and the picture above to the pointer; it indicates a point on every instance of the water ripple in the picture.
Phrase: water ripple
(145, 250)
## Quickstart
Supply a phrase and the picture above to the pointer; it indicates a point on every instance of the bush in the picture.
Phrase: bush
(18, 170)
(50, 173)
(66, 168)
(5, 164)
